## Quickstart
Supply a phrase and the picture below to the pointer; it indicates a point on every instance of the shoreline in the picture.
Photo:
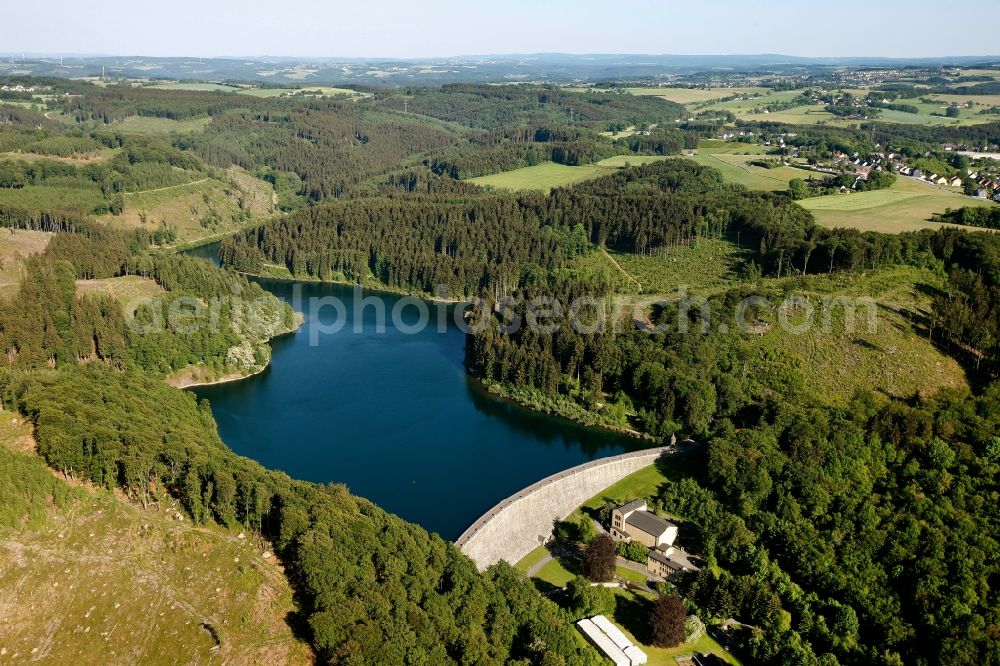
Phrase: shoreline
(486, 389)
(238, 377)
(347, 283)
(600, 427)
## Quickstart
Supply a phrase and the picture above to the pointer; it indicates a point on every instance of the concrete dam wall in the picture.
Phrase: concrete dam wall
(522, 522)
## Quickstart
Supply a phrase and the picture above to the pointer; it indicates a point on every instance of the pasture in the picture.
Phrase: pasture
(620, 161)
(907, 206)
(302, 91)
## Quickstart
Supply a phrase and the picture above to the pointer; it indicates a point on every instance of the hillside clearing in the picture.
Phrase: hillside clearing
(102, 581)
(126, 289)
(200, 209)
(542, 177)
(14, 246)
(160, 126)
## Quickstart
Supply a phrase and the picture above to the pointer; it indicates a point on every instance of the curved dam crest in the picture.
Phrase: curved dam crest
(523, 522)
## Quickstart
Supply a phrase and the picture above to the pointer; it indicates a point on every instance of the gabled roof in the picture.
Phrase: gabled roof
(634, 505)
(664, 560)
(648, 523)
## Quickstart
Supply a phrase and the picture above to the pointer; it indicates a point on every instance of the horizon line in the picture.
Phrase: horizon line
(521, 54)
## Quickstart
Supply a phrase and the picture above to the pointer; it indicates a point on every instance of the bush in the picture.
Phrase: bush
(632, 551)
(694, 629)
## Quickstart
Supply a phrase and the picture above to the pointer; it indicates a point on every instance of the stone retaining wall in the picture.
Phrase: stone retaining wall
(522, 522)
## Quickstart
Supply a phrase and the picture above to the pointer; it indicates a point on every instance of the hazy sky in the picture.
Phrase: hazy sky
(411, 28)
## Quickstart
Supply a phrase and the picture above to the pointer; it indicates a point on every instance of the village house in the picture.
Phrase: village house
(955, 182)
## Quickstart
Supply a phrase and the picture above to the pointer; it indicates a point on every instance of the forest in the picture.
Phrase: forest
(851, 533)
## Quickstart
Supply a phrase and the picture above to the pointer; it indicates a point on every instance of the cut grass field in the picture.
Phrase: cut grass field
(906, 206)
(102, 581)
(160, 126)
(638, 485)
(620, 161)
(730, 158)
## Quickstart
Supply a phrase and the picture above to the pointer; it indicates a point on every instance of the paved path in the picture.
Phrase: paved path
(534, 569)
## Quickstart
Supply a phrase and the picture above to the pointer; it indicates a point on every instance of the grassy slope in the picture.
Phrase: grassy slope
(907, 206)
(103, 581)
(184, 206)
(895, 359)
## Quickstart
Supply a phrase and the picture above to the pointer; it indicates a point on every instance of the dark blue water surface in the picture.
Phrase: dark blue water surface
(394, 416)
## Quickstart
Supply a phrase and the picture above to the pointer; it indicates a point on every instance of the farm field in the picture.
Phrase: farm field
(720, 147)
(197, 86)
(542, 177)
(304, 91)
(907, 206)
(732, 159)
